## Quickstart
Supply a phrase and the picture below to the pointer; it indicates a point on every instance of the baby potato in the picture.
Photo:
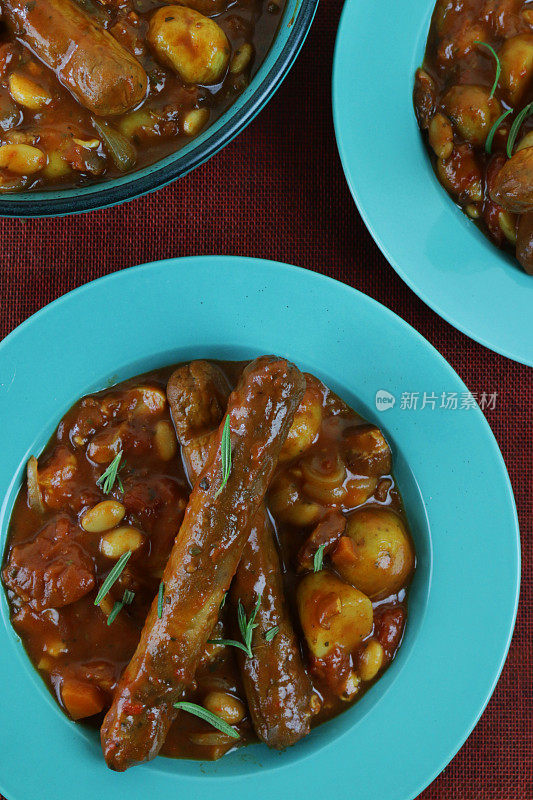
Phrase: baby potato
(286, 502)
(56, 167)
(472, 110)
(192, 45)
(306, 424)
(525, 141)
(332, 613)
(516, 59)
(376, 553)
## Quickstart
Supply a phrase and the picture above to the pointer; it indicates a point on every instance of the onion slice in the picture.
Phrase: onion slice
(34, 493)
(120, 148)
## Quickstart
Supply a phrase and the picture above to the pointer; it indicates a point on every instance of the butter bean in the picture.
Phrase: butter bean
(22, 159)
(118, 541)
(103, 516)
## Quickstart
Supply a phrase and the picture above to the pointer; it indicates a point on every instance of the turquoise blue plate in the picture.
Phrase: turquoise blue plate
(430, 243)
(450, 471)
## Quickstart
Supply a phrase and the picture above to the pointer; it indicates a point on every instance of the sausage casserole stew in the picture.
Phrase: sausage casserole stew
(473, 100)
(91, 89)
(209, 555)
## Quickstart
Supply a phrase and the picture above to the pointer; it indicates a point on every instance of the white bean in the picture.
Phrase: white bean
(103, 516)
(117, 542)
(165, 440)
(22, 159)
(27, 93)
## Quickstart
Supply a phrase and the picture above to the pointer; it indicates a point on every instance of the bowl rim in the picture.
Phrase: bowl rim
(152, 177)
(415, 267)
(267, 282)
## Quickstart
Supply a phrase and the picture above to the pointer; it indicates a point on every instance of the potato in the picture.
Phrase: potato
(513, 185)
(306, 424)
(192, 45)
(376, 553)
(516, 59)
(286, 502)
(472, 111)
(332, 613)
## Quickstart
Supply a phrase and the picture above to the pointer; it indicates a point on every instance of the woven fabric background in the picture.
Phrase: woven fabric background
(278, 191)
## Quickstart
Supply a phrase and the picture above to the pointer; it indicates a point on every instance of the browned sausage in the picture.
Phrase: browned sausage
(524, 242)
(513, 185)
(278, 690)
(203, 560)
(87, 60)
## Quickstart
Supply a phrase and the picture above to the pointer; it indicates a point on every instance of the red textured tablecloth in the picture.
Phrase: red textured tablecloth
(278, 191)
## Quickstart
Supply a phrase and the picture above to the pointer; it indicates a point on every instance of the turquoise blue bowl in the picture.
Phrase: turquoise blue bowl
(293, 29)
(457, 493)
(432, 245)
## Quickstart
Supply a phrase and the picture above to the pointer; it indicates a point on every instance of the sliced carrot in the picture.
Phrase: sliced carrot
(81, 699)
(345, 551)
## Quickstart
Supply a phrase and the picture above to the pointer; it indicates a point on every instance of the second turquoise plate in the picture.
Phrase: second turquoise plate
(432, 245)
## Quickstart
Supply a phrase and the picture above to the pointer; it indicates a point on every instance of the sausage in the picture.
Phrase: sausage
(279, 693)
(202, 562)
(278, 690)
(101, 74)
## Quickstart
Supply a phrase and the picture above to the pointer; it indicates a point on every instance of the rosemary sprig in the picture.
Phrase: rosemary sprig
(225, 454)
(490, 138)
(515, 127)
(269, 635)
(208, 716)
(107, 479)
(113, 576)
(127, 598)
(318, 558)
(160, 598)
(498, 65)
(246, 627)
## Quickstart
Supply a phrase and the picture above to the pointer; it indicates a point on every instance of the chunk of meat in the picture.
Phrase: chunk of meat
(326, 534)
(52, 570)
